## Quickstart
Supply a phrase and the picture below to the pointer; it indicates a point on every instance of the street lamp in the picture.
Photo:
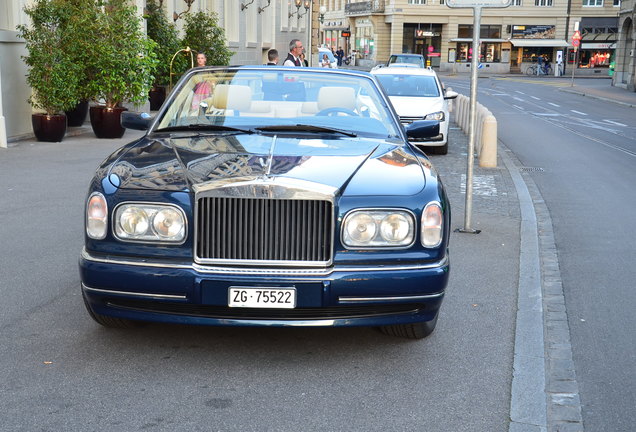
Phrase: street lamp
(299, 3)
(323, 11)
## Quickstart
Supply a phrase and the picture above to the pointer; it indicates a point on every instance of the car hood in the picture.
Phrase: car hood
(356, 166)
(416, 106)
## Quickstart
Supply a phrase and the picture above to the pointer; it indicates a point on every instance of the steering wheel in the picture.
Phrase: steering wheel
(336, 110)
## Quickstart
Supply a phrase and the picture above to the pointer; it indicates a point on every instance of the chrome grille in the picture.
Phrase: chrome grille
(408, 120)
(271, 231)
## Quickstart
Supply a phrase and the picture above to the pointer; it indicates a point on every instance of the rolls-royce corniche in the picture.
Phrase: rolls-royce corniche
(269, 196)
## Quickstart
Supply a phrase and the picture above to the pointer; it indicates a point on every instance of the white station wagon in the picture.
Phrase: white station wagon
(417, 94)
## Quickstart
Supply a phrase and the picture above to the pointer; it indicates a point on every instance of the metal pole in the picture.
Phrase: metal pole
(576, 52)
(474, 65)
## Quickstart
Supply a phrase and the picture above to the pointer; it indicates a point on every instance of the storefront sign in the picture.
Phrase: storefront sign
(478, 3)
(533, 31)
(598, 45)
(345, 33)
(425, 33)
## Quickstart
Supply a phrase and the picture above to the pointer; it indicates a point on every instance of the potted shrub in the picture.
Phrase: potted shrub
(52, 73)
(122, 64)
(83, 16)
(164, 34)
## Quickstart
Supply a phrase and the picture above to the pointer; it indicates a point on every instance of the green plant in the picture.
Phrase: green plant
(165, 35)
(52, 73)
(122, 60)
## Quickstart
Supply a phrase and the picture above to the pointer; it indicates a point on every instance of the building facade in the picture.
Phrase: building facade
(512, 38)
(625, 70)
(252, 27)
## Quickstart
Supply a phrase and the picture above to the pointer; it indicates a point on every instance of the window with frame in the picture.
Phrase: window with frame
(485, 31)
(417, 2)
(543, 3)
(593, 3)
(617, 3)
(516, 3)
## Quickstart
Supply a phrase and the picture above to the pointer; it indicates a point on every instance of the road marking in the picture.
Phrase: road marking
(578, 112)
(518, 107)
(518, 99)
(615, 123)
(554, 105)
(544, 114)
(534, 97)
(520, 92)
(500, 94)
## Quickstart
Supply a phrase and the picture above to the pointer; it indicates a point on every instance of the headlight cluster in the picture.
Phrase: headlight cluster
(375, 228)
(378, 228)
(439, 116)
(150, 222)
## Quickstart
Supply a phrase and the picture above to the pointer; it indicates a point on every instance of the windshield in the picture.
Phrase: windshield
(409, 85)
(280, 100)
(416, 60)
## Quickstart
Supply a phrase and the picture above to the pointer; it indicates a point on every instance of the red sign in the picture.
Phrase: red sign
(576, 42)
(345, 33)
(576, 35)
(431, 49)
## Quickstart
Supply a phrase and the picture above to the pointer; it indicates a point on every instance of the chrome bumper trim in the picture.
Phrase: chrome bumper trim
(355, 300)
(135, 294)
(259, 271)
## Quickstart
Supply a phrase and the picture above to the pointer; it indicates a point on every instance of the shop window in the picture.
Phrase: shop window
(531, 54)
(594, 58)
(490, 52)
(485, 31)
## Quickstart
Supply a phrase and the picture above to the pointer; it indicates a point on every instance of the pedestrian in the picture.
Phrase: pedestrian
(325, 61)
(272, 57)
(201, 59)
(540, 70)
(295, 50)
(340, 55)
(303, 60)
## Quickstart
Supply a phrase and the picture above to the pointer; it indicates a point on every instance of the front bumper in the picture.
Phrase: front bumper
(188, 293)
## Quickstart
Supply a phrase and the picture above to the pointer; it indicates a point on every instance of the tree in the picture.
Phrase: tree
(52, 73)
(203, 34)
(164, 34)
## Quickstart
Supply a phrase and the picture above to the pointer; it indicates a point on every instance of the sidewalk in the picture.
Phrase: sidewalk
(602, 90)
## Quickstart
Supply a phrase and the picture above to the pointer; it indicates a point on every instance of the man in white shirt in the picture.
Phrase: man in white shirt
(295, 49)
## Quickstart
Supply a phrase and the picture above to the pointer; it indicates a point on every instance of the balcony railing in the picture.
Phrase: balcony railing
(364, 7)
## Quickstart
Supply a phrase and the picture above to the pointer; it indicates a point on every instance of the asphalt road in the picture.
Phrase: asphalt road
(584, 155)
(61, 371)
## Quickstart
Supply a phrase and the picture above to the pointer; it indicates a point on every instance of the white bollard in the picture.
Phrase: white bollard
(488, 156)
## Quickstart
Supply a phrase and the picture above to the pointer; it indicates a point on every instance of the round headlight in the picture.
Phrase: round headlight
(168, 223)
(395, 227)
(134, 221)
(361, 228)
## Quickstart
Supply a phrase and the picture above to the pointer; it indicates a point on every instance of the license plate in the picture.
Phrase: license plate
(274, 298)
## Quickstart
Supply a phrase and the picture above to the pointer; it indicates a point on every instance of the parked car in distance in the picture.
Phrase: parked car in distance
(417, 94)
(285, 197)
(417, 60)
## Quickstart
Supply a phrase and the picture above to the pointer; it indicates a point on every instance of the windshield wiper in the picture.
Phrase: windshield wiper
(304, 128)
(204, 127)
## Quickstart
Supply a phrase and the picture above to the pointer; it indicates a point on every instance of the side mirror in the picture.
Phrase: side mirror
(449, 94)
(423, 129)
(135, 120)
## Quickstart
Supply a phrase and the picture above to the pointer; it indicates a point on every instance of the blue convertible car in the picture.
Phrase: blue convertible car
(269, 197)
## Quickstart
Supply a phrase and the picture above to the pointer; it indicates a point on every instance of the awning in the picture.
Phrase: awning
(482, 40)
(541, 43)
(599, 37)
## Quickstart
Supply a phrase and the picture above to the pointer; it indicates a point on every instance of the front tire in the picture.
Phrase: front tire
(411, 331)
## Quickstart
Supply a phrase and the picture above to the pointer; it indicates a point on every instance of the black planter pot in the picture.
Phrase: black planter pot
(49, 128)
(77, 116)
(156, 96)
(106, 122)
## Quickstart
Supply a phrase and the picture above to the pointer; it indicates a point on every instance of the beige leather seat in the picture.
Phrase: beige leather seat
(336, 97)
